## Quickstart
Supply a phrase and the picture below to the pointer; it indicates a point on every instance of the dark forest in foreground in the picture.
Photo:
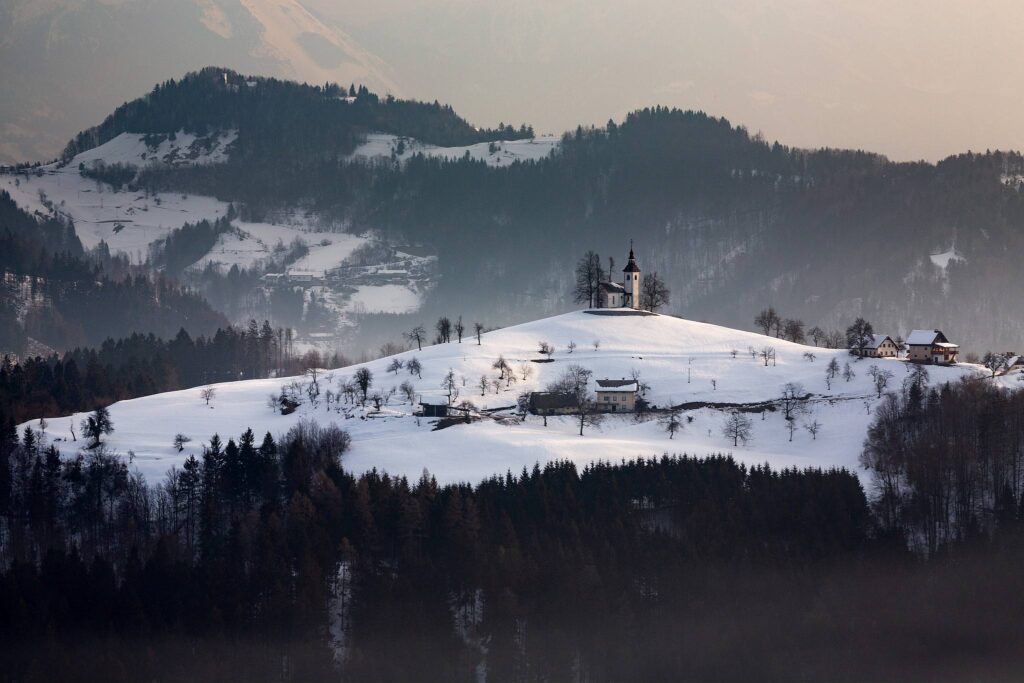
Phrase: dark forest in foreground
(248, 563)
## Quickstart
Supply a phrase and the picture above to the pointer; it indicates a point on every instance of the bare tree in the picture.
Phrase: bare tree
(848, 372)
(734, 353)
(793, 330)
(545, 349)
(832, 369)
(654, 294)
(671, 421)
(450, 385)
(791, 427)
(408, 391)
(574, 381)
(792, 400)
(395, 365)
(414, 367)
(417, 334)
(813, 427)
(597, 344)
(525, 371)
(502, 366)
(767, 353)
(207, 394)
(459, 328)
(483, 384)
(738, 427)
(809, 356)
(479, 329)
(880, 378)
(766, 319)
(444, 330)
(364, 380)
(179, 441)
(589, 276)
(817, 335)
(859, 335)
(571, 347)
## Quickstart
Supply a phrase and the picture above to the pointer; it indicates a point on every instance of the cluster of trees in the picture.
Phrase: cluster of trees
(140, 365)
(947, 462)
(253, 552)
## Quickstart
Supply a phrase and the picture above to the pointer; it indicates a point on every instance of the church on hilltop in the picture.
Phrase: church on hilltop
(627, 295)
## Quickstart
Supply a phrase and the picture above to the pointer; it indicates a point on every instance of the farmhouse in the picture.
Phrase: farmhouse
(552, 403)
(931, 346)
(881, 346)
(627, 295)
(617, 395)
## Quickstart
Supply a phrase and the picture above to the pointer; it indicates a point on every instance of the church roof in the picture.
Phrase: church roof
(612, 287)
(631, 266)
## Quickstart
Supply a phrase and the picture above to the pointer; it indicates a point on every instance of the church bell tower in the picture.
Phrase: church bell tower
(631, 280)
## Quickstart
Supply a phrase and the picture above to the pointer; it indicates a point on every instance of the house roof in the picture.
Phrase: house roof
(925, 337)
(551, 400)
(877, 340)
(947, 345)
(612, 287)
(616, 385)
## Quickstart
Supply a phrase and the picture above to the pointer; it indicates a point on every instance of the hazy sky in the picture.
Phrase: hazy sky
(907, 78)
(911, 79)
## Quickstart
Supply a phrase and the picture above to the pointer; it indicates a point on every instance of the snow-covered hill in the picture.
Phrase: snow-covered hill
(683, 362)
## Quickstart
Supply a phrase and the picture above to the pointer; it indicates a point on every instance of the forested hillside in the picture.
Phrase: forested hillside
(57, 294)
(731, 221)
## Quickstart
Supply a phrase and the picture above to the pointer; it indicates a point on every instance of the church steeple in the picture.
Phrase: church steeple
(631, 280)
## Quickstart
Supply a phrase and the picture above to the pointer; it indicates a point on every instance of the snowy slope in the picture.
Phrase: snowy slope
(661, 348)
(384, 145)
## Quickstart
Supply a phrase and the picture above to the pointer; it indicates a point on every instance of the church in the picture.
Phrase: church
(627, 295)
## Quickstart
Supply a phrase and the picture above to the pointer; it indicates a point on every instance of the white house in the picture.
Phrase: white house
(881, 346)
(931, 346)
(617, 395)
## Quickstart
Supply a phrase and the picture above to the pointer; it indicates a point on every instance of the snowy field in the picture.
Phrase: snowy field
(677, 358)
(505, 153)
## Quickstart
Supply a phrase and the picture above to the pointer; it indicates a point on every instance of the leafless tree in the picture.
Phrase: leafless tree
(207, 394)
(525, 371)
(414, 367)
(364, 379)
(671, 421)
(848, 372)
(767, 353)
(735, 352)
(408, 391)
(479, 329)
(791, 427)
(395, 365)
(809, 356)
(545, 349)
(738, 428)
(571, 347)
(574, 381)
(502, 366)
(880, 378)
(597, 344)
(444, 330)
(459, 328)
(589, 275)
(417, 334)
(766, 320)
(793, 330)
(450, 385)
(817, 335)
(813, 427)
(483, 384)
(654, 294)
(792, 400)
(180, 440)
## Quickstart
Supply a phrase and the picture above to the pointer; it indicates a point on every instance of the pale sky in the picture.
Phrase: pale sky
(908, 78)
(911, 79)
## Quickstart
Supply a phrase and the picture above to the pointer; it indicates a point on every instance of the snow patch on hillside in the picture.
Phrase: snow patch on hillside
(677, 358)
(179, 149)
(942, 260)
(500, 153)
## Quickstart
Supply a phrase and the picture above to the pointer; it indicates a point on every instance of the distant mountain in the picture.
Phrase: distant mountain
(732, 222)
(64, 64)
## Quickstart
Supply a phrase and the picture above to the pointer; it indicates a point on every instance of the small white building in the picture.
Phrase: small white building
(617, 395)
(881, 346)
